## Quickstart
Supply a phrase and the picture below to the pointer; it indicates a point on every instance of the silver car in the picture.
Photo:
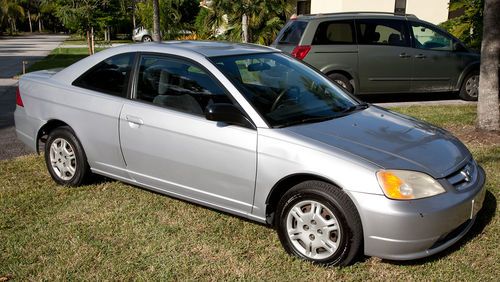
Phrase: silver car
(253, 132)
(141, 34)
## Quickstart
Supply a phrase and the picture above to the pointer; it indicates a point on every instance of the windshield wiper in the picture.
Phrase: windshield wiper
(306, 120)
(319, 119)
(355, 108)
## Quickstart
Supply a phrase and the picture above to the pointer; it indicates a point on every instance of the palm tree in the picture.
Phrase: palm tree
(11, 11)
(258, 20)
(487, 106)
(156, 21)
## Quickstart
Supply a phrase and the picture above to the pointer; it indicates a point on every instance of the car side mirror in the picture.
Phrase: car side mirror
(227, 113)
(458, 47)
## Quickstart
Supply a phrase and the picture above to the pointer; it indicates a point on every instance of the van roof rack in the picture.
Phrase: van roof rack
(356, 13)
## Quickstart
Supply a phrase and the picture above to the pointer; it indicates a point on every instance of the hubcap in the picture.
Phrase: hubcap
(341, 83)
(62, 159)
(472, 85)
(313, 229)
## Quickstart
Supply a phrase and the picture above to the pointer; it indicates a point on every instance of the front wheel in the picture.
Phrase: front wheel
(318, 222)
(65, 158)
(470, 87)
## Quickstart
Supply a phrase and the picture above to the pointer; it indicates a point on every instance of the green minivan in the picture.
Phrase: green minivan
(370, 53)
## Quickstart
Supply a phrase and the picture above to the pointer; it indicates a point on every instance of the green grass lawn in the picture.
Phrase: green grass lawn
(114, 231)
(60, 58)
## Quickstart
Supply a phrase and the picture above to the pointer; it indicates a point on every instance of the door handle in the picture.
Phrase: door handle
(134, 120)
(420, 56)
(404, 55)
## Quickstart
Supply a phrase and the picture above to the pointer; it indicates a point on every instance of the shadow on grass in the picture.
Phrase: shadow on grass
(483, 218)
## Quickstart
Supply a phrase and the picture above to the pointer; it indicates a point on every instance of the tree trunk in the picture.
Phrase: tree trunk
(92, 40)
(89, 45)
(244, 27)
(40, 23)
(29, 20)
(156, 21)
(133, 14)
(487, 107)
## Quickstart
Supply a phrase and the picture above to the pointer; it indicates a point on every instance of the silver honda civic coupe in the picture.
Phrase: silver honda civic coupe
(250, 131)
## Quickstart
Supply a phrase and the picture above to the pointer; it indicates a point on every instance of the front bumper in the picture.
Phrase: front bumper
(405, 230)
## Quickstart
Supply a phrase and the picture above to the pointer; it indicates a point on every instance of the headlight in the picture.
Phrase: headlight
(408, 185)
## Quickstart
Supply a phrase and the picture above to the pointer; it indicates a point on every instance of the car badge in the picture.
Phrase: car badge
(466, 174)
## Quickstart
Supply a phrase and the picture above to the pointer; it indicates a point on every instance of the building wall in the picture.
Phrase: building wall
(434, 11)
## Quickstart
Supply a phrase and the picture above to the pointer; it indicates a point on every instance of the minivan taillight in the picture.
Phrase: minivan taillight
(19, 101)
(300, 52)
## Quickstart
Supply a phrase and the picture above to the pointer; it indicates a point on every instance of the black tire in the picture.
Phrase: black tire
(350, 231)
(471, 79)
(82, 171)
(147, 38)
(342, 81)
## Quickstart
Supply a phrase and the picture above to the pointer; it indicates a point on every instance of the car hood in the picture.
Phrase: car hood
(391, 141)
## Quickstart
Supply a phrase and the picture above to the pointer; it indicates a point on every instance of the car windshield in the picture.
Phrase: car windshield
(285, 91)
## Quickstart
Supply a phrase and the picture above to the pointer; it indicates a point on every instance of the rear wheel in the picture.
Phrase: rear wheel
(470, 87)
(147, 38)
(318, 222)
(342, 81)
(65, 158)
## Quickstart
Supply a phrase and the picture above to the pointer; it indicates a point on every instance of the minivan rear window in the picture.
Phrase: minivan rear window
(293, 32)
(334, 32)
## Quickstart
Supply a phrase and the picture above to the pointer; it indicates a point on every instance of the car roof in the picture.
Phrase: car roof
(204, 48)
(190, 49)
(356, 15)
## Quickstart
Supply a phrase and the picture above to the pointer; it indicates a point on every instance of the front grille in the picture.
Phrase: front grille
(464, 177)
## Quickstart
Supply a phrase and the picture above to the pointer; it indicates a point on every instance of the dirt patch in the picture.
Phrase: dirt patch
(475, 137)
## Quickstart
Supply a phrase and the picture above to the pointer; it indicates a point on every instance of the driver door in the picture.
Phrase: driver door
(436, 67)
(168, 144)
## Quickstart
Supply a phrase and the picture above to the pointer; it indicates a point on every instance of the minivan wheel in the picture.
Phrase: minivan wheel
(470, 87)
(65, 158)
(147, 38)
(318, 222)
(342, 81)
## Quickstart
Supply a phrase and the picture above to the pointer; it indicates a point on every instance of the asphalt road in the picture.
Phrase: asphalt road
(13, 51)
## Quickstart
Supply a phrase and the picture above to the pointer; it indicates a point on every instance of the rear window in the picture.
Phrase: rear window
(109, 76)
(293, 32)
(334, 32)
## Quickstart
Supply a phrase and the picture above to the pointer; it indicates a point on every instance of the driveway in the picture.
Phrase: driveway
(13, 51)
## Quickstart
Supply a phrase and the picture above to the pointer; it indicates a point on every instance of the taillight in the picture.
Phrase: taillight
(19, 101)
(300, 52)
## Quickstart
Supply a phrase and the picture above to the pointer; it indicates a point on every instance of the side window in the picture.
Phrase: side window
(429, 38)
(383, 32)
(109, 76)
(337, 32)
(177, 84)
(293, 32)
